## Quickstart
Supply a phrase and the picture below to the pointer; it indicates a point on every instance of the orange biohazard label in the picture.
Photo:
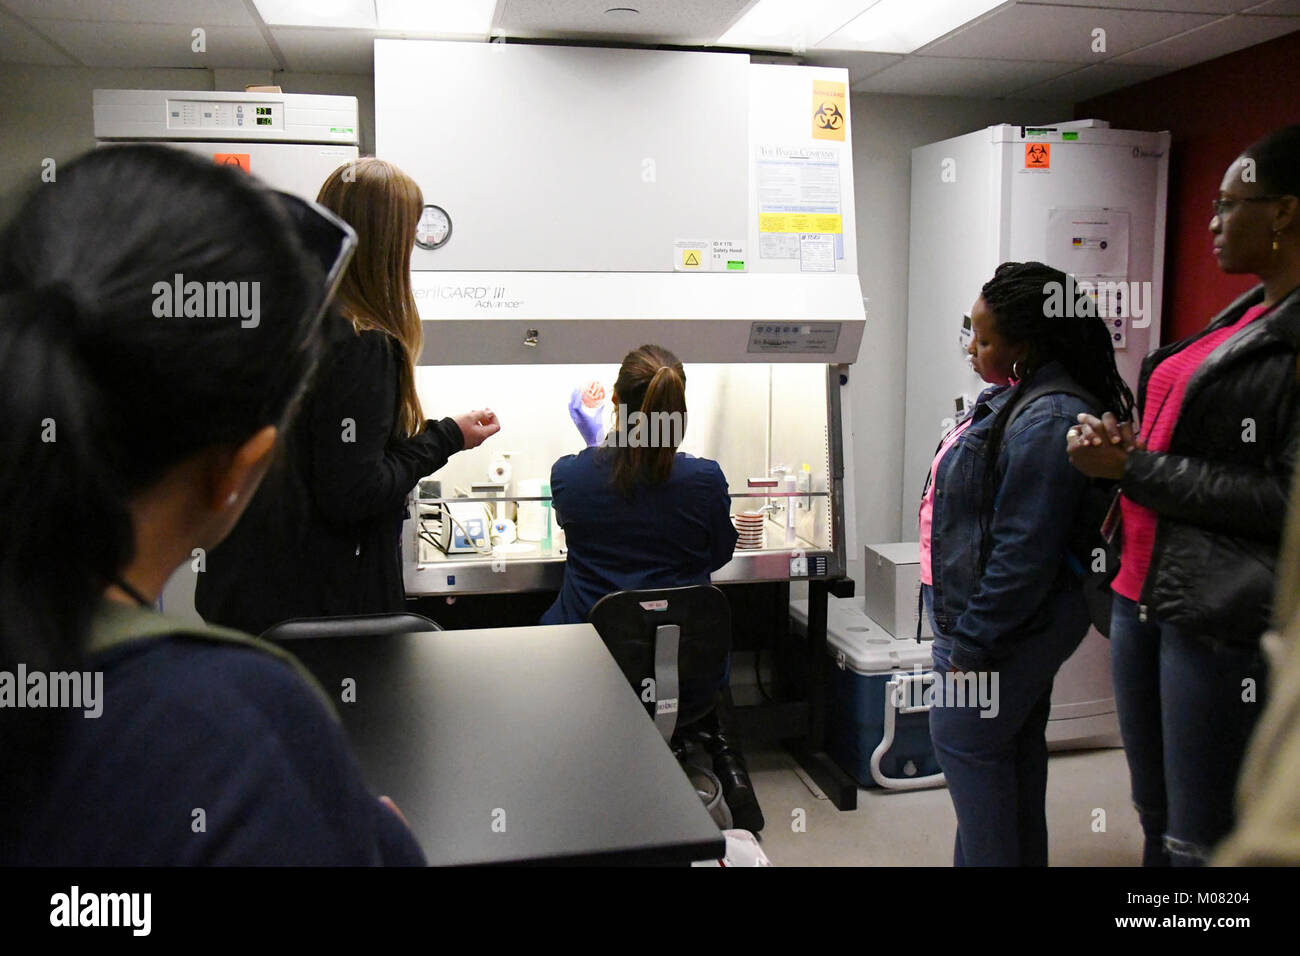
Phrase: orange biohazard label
(1038, 155)
(830, 110)
(242, 160)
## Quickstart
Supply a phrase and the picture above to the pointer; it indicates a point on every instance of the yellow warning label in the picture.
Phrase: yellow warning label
(830, 110)
(691, 258)
(818, 222)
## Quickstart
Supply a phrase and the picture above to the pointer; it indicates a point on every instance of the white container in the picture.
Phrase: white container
(531, 521)
(893, 588)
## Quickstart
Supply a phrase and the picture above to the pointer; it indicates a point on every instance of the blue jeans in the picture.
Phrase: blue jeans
(995, 759)
(1185, 727)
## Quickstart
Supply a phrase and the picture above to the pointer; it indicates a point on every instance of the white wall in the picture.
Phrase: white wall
(885, 130)
(46, 111)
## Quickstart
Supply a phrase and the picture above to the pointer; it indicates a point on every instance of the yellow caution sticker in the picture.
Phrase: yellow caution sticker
(830, 110)
(818, 222)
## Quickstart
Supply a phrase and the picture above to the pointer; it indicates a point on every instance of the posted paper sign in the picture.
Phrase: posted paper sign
(816, 253)
(798, 194)
(1088, 241)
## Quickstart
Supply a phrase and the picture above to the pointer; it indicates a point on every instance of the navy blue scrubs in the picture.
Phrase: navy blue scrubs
(669, 535)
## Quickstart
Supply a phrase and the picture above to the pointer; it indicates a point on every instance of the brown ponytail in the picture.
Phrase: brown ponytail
(651, 393)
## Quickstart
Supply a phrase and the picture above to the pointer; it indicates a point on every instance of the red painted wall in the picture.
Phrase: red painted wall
(1214, 110)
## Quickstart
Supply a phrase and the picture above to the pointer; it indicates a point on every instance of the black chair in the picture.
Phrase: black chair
(663, 638)
(671, 640)
(358, 625)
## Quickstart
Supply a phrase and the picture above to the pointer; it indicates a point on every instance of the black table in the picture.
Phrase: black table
(514, 745)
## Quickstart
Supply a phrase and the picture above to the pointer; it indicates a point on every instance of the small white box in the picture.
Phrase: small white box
(893, 588)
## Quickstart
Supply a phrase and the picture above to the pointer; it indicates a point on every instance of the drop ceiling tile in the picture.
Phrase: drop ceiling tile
(1091, 81)
(319, 50)
(944, 76)
(159, 45)
(1215, 40)
(1061, 34)
(1276, 8)
(859, 65)
(198, 13)
(20, 44)
(662, 21)
(1161, 6)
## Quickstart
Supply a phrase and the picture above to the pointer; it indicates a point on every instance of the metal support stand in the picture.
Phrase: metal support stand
(810, 750)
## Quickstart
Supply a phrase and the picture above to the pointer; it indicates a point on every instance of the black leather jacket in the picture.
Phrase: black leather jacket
(1220, 493)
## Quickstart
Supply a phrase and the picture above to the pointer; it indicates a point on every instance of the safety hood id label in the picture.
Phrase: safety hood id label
(794, 338)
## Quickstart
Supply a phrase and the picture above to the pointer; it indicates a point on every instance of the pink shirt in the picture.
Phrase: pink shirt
(1164, 399)
(927, 503)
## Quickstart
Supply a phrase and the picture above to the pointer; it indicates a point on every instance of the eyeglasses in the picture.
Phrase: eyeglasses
(1225, 205)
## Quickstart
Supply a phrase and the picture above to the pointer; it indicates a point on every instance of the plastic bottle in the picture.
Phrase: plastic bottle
(546, 518)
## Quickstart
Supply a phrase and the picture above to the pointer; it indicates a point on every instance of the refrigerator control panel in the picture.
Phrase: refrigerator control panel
(198, 114)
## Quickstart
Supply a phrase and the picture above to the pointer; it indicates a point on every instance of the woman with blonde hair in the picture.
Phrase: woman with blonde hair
(325, 539)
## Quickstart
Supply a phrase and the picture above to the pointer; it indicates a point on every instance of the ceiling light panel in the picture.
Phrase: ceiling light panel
(790, 24)
(318, 13)
(903, 26)
(447, 18)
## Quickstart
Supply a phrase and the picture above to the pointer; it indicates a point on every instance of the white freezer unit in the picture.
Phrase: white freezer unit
(976, 204)
(292, 141)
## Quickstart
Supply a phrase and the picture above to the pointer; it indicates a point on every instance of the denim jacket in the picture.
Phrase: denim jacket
(1038, 494)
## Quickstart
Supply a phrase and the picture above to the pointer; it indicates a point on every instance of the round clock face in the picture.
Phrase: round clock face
(433, 229)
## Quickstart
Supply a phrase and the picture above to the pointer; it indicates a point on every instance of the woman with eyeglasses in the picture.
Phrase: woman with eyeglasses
(324, 539)
(135, 431)
(1205, 485)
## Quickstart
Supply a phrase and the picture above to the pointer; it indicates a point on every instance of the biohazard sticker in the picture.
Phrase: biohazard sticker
(1038, 155)
(242, 160)
(830, 110)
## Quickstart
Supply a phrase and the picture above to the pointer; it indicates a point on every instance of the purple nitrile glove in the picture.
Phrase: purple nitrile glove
(590, 420)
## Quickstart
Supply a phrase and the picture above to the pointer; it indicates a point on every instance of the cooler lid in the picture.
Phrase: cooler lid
(859, 644)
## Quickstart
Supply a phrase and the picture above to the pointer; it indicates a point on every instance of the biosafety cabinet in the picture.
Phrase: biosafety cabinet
(581, 202)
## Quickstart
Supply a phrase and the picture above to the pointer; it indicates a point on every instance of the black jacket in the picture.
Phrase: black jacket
(1221, 498)
(322, 535)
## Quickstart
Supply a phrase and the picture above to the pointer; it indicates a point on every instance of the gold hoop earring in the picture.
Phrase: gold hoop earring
(1275, 243)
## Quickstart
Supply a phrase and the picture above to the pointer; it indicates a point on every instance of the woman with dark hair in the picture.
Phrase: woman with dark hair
(636, 512)
(999, 581)
(128, 386)
(326, 540)
(639, 514)
(1204, 489)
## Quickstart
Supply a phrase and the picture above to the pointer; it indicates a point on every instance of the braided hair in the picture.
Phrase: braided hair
(1020, 296)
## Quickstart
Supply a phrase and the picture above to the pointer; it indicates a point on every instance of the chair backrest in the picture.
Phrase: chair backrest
(358, 625)
(678, 637)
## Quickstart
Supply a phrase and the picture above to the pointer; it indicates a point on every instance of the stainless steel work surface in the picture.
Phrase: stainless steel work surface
(514, 745)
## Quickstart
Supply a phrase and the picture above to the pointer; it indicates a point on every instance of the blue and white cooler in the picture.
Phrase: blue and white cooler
(877, 719)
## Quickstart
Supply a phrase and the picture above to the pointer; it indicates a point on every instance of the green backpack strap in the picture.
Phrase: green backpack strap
(117, 625)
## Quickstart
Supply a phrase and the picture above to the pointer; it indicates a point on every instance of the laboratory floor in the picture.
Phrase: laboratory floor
(1090, 820)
